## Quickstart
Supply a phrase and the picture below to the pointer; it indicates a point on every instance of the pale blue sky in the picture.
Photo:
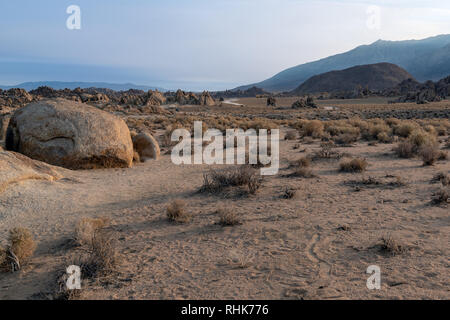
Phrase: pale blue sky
(195, 44)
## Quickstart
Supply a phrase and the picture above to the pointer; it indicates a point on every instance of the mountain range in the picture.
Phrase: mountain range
(426, 59)
(57, 85)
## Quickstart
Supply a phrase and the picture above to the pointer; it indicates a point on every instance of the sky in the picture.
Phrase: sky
(197, 44)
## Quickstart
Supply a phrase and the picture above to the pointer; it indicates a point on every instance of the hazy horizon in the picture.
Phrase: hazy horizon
(195, 45)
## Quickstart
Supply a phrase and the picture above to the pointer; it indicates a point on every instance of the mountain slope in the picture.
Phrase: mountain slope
(373, 76)
(57, 85)
(426, 59)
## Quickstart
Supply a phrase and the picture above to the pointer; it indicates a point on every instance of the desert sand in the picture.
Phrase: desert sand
(316, 245)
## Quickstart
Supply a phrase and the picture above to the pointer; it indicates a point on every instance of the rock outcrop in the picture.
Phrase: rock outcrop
(15, 168)
(146, 146)
(70, 134)
(304, 103)
(206, 99)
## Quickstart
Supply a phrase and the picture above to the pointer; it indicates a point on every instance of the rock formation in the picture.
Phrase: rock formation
(70, 134)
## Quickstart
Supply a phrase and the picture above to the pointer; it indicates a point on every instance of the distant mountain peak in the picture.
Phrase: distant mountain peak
(425, 59)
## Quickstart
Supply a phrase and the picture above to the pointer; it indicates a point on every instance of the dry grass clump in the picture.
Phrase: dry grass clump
(327, 153)
(104, 259)
(303, 172)
(242, 176)
(303, 162)
(420, 138)
(353, 165)
(373, 182)
(312, 128)
(228, 218)
(405, 149)
(429, 154)
(289, 193)
(441, 197)
(375, 130)
(176, 212)
(384, 137)
(86, 228)
(346, 138)
(20, 249)
(391, 245)
(290, 135)
(21, 243)
(405, 128)
(442, 178)
(417, 141)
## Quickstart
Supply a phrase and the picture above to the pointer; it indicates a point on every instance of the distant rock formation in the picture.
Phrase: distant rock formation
(14, 98)
(304, 103)
(412, 91)
(271, 101)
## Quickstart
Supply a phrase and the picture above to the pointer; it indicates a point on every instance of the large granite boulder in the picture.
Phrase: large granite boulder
(71, 135)
(146, 146)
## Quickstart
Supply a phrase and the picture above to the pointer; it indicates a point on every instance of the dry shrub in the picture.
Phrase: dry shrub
(228, 218)
(346, 138)
(442, 155)
(383, 137)
(420, 138)
(176, 212)
(303, 172)
(289, 193)
(86, 228)
(405, 128)
(417, 141)
(441, 197)
(313, 128)
(429, 154)
(21, 247)
(242, 176)
(405, 149)
(326, 152)
(353, 165)
(442, 178)
(102, 259)
(374, 130)
(392, 246)
(290, 135)
(301, 163)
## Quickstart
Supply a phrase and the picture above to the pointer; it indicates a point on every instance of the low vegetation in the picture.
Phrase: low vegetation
(20, 249)
(176, 212)
(243, 176)
(353, 165)
(392, 246)
(228, 218)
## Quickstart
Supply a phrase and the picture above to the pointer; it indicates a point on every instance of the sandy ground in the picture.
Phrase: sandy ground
(285, 249)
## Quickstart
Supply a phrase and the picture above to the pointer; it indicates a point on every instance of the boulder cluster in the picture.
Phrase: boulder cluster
(304, 103)
(413, 91)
